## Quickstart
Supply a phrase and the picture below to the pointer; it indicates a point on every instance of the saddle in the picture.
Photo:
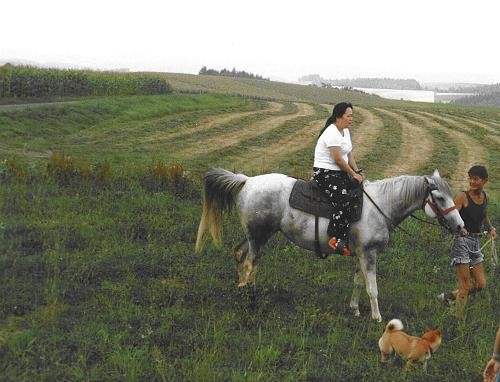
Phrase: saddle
(306, 196)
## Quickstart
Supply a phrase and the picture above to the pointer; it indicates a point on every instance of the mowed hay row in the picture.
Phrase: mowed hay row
(482, 135)
(384, 144)
(210, 122)
(475, 123)
(377, 141)
(225, 143)
(250, 154)
(465, 158)
(295, 151)
(156, 130)
(364, 135)
(265, 157)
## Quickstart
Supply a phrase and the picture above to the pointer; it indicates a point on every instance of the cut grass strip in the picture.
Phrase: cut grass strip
(453, 157)
(415, 147)
(386, 148)
(445, 151)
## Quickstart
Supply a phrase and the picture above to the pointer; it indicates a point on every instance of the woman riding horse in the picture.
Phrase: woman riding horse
(335, 170)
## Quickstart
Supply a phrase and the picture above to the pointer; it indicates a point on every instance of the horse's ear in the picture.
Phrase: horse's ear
(436, 174)
(430, 182)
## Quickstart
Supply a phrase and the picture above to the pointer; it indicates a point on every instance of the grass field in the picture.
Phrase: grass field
(98, 275)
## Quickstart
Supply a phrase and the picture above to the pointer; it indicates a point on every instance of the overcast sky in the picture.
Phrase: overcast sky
(429, 40)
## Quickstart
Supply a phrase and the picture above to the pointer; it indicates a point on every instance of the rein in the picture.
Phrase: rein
(424, 220)
(383, 214)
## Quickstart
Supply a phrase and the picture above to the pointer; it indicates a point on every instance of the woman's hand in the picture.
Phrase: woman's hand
(358, 177)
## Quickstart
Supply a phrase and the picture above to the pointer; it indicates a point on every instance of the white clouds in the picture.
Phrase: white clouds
(439, 40)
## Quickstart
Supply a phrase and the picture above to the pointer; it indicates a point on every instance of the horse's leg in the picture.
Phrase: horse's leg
(358, 284)
(368, 267)
(244, 263)
(240, 251)
(246, 254)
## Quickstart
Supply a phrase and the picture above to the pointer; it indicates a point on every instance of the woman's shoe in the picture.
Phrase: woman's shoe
(339, 247)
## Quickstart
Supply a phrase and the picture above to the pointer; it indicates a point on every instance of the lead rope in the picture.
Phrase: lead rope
(494, 258)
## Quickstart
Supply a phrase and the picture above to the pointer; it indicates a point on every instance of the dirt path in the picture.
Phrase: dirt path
(204, 146)
(209, 122)
(416, 147)
(466, 157)
(364, 136)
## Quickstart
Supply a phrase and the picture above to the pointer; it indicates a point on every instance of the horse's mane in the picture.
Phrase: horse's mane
(410, 187)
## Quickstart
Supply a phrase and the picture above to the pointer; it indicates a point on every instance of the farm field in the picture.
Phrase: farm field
(100, 201)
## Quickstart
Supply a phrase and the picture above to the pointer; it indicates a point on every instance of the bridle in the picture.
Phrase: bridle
(440, 214)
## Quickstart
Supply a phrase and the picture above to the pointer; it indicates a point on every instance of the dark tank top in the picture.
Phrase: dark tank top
(474, 214)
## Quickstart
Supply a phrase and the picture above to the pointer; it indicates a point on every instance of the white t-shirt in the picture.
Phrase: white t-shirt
(331, 137)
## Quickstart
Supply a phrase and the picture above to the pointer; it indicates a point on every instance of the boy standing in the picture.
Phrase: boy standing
(465, 250)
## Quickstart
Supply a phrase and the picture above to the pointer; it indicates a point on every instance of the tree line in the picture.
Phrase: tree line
(486, 99)
(230, 73)
(378, 83)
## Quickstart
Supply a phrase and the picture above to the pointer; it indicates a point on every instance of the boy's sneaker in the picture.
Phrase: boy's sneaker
(339, 247)
(446, 298)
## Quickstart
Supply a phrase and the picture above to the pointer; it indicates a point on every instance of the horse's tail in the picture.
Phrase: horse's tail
(394, 324)
(220, 188)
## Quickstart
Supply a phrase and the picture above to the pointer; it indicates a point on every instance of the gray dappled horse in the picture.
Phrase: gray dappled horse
(262, 203)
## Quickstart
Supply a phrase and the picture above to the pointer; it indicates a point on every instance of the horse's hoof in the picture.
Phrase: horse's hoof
(356, 313)
(242, 284)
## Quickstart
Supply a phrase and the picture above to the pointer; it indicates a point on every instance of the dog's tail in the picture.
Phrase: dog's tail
(394, 324)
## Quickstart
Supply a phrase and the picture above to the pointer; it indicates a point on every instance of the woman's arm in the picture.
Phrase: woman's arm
(352, 162)
(337, 157)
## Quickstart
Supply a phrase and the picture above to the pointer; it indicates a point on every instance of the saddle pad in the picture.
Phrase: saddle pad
(307, 197)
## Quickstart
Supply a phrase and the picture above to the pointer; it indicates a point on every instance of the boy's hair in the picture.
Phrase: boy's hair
(478, 171)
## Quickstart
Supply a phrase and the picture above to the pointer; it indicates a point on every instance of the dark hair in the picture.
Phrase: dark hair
(338, 111)
(478, 171)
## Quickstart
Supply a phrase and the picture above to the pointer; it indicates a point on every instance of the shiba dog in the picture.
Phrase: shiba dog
(413, 349)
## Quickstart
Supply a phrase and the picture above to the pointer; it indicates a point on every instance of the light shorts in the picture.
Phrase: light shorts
(466, 250)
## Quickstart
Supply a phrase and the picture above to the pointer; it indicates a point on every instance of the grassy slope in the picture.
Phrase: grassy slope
(269, 89)
(100, 282)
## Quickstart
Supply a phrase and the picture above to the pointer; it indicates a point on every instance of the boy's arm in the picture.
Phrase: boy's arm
(488, 225)
(460, 201)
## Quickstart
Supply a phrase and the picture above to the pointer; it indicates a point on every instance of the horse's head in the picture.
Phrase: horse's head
(438, 203)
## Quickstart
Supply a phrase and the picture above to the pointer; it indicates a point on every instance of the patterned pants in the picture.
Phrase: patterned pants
(336, 185)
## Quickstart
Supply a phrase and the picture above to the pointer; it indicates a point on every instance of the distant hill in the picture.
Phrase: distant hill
(378, 83)
(270, 90)
(487, 95)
